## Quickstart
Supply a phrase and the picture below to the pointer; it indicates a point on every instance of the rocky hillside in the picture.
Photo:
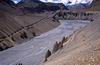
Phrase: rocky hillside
(17, 26)
(95, 6)
(82, 48)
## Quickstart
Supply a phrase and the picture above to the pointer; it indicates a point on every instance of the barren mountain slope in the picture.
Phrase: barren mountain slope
(13, 23)
(95, 6)
(83, 48)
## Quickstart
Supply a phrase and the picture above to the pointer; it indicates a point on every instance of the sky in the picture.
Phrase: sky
(62, 1)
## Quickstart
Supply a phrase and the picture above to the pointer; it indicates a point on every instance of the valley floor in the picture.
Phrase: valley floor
(33, 52)
(83, 48)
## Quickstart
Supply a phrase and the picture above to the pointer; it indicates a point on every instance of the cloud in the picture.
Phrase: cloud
(16, 1)
(66, 1)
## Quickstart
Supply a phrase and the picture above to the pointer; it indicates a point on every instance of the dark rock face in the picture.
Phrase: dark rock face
(56, 47)
(47, 55)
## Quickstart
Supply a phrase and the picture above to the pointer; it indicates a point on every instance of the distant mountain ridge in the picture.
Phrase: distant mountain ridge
(37, 5)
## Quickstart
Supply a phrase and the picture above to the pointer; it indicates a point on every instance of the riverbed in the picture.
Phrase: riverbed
(33, 51)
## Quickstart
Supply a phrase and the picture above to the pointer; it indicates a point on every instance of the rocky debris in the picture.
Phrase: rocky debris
(73, 15)
(19, 64)
(23, 35)
(6, 43)
(56, 47)
(59, 45)
(48, 54)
